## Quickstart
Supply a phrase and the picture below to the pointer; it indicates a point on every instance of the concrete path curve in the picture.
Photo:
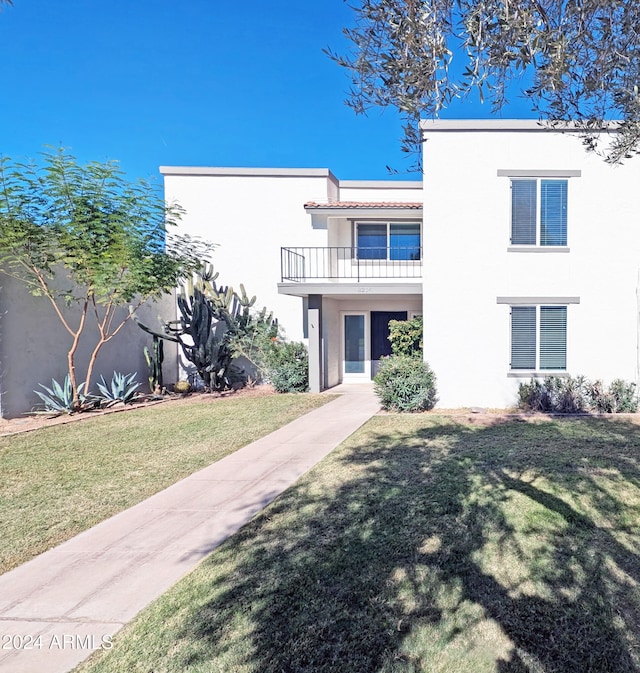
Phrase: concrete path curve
(59, 607)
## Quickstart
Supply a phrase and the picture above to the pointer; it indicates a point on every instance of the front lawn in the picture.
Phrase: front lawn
(422, 544)
(58, 481)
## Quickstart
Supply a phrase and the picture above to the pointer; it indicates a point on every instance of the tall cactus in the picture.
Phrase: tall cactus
(155, 358)
(209, 317)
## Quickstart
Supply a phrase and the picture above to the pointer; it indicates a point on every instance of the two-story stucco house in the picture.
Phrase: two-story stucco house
(335, 260)
(521, 251)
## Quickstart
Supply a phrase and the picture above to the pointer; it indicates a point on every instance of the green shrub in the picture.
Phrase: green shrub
(405, 383)
(625, 396)
(533, 396)
(601, 400)
(619, 398)
(288, 367)
(258, 342)
(569, 395)
(406, 337)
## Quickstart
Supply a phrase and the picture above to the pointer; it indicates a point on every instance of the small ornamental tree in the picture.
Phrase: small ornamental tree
(84, 236)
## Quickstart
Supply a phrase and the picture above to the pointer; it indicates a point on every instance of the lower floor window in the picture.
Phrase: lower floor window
(539, 337)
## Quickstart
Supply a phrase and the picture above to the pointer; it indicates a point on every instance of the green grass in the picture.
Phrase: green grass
(58, 481)
(422, 544)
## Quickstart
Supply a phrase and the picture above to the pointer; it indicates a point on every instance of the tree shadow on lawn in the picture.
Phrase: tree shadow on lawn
(445, 547)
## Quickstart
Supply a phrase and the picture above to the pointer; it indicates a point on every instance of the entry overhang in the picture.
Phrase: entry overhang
(350, 290)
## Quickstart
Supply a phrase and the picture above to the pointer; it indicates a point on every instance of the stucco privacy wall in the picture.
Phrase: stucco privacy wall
(34, 345)
(250, 213)
(467, 265)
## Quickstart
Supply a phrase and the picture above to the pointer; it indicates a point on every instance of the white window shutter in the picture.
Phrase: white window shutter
(523, 337)
(553, 337)
(553, 212)
(523, 212)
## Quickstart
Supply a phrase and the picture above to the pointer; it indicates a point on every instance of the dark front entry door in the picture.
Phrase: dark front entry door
(380, 344)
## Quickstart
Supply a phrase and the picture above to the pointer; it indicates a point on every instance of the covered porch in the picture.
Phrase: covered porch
(347, 326)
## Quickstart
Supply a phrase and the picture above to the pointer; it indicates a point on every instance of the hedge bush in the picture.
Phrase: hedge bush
(288, 367)
(569, 395)
(405, 383)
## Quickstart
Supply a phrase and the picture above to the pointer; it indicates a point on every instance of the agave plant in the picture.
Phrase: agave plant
(122, 389)
(59, 398)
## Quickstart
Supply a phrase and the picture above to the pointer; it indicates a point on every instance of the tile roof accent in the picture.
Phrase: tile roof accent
(364, 204)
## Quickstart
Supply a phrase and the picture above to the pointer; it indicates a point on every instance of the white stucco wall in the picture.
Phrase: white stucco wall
(467, 265)
(250, 214)
(34, 346)
(381, 190)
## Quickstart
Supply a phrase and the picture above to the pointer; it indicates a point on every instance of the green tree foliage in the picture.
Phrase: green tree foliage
(406, 337)
(84, 236)
(575, 60)
(284, 364)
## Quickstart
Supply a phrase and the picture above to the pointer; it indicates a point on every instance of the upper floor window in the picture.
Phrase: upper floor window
(388, 240)
(539, 212)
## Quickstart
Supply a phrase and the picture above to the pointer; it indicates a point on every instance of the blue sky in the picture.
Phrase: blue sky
(199, 82)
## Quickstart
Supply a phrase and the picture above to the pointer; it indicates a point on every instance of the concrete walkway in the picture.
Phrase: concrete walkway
(59, 607)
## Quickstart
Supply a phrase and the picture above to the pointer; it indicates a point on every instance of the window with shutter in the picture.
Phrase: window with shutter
(553, 212)
(539, 338)
(553, 337)
(539, 212)
(523, 212)
(523, 337)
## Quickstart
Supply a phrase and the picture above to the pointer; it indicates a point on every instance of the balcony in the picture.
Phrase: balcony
(299, 265)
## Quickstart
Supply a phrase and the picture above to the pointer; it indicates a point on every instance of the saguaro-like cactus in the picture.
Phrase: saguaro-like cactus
(209, 317)
(155, 358)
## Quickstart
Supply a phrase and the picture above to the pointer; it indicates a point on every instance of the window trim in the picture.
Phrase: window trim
(538, 248)
(537, 173)
(537, 301)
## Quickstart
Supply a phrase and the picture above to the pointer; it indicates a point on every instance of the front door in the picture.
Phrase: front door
(380, 344)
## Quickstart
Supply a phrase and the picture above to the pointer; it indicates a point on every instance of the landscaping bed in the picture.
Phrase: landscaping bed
(27, 422)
